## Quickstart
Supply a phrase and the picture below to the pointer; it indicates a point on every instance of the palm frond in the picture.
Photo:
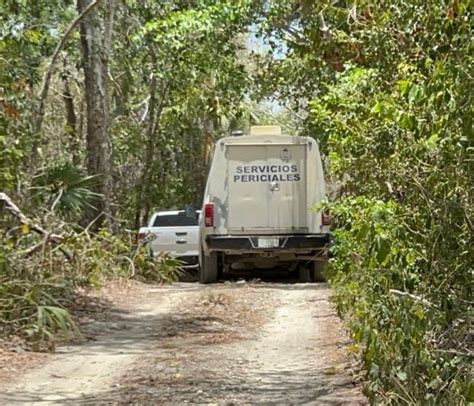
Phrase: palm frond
(63, 187)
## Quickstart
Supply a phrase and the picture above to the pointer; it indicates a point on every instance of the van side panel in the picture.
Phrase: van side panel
(316, 187)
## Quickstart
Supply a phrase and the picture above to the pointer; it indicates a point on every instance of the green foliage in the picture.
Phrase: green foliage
(192, 57)
(34, 293)
(63, 187)
(50, 320)
(37, 287)
(162, 268)
(28, 35)
(411, 324)
(10, 155)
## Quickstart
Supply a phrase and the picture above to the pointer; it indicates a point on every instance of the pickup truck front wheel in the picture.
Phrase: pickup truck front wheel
(208, 271)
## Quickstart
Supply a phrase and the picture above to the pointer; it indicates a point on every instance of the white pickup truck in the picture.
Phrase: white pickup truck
(175, 232)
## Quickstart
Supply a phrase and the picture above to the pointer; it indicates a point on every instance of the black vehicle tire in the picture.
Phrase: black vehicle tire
(209, 270)
(318, 269)
(304, 273)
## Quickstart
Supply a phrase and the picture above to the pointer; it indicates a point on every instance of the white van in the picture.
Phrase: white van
(257, 209)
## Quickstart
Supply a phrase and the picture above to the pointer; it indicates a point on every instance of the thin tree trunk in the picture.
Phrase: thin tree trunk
(71, 122)
(94, 42)
(150, 132)
(154, 113)
(86, 8)
(151, 158)
(82, 121)
(207, 151)
(208, 127)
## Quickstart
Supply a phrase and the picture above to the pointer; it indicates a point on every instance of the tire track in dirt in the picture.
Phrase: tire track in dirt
(264, 343)
(79, 372)
(298, 357)
(295, 353)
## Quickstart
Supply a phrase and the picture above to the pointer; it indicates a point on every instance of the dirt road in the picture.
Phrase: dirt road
(232, 343)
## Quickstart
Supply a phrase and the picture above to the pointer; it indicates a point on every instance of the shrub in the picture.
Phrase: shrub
(408, 315)
(37, 286)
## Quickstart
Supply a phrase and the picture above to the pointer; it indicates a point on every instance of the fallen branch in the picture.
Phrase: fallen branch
(412, 296)
(468, 354)
(13, 208)
(48, 236)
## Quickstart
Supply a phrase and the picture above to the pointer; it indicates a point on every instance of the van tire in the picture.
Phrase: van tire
(318, 269)
(304, 273)
(209, 270)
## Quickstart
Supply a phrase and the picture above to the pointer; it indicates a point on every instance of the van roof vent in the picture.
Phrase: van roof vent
(265, 130)
(237, 133)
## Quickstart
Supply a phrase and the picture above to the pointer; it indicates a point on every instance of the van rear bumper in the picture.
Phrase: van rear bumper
(251, 242)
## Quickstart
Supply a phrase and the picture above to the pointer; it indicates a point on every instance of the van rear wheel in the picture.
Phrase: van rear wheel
(304, 273)
(208, 271)
(317, 271)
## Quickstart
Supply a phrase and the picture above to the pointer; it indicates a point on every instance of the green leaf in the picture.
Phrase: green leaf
(382, 248)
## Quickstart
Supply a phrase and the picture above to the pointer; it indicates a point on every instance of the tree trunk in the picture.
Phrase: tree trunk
(150, 147)
(71, 121)
(142, 207)
(95, 43)
(154, 156)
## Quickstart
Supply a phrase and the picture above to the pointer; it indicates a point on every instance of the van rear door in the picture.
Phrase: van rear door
(267, 188)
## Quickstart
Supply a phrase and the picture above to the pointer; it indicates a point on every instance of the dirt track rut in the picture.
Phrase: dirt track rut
(266, 343)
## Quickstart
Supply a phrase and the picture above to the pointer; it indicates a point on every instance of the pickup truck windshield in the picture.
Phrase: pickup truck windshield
(174, 220)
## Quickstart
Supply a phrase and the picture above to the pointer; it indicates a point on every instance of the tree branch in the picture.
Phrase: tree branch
(15, 210)
(43, 95)
(412, 296)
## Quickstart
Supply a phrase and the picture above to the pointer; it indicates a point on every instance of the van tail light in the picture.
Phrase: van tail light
(140, 237)
(325, 219)
(209, 215)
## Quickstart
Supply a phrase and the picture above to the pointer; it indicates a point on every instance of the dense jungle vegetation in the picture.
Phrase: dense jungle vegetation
(109, 109)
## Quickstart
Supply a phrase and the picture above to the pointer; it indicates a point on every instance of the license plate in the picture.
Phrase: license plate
(268, 242)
